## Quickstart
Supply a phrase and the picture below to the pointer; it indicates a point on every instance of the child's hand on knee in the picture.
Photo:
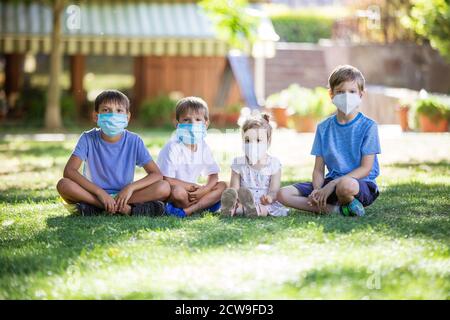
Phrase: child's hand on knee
(123, 197)
(197, 194)
(193, 187)
(312, 198)
(108, 202)
(322, 195)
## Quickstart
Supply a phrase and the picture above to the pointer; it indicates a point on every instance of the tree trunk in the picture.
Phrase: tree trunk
(53, 111)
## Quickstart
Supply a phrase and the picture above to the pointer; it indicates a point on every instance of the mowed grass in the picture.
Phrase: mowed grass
(400, 249)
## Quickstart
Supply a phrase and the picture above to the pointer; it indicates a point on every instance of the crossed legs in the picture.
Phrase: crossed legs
(179, 197)
(72, 192)
(346, 190)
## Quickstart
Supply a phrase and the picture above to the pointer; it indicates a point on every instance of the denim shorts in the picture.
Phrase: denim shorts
(368, 191)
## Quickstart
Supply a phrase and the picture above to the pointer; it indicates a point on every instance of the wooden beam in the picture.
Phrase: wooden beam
(13, 72)
(77, 71)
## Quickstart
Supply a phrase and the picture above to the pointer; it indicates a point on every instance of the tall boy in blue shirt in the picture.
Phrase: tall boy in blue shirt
(347, 144)
(110, 154)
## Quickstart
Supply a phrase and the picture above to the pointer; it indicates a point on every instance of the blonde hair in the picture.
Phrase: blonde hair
(260, 121)
(345, 73)
(195, 104)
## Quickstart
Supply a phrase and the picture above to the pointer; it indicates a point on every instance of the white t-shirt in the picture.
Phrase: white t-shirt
(177, 161)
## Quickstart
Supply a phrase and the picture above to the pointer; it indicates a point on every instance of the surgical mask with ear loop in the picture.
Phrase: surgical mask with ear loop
(112, 124)
(347, 102)
(190, 133)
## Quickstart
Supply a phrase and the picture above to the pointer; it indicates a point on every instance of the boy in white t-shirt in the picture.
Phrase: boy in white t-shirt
(187, 156)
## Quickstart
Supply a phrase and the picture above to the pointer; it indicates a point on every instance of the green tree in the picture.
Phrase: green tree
(232, 21)
(53, 119)
(431, 20)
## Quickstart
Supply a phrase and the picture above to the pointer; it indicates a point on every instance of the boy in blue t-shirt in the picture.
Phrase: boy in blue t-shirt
(110, 155)
(347, 144)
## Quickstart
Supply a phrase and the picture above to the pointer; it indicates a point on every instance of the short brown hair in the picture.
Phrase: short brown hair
(258, 122)
(195, 104)
(345, 73)
(114, 96)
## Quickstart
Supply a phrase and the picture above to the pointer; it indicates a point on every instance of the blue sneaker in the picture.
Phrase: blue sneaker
(353, 209)
(171, 210)
(215, 207)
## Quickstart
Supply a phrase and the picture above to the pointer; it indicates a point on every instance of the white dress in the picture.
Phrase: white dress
(258, 181)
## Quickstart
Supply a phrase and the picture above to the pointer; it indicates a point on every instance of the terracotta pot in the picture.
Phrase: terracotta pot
(432, 124)
(218, 119)
(402, 113)
(281, 116)
(232, 118)
(304, 123)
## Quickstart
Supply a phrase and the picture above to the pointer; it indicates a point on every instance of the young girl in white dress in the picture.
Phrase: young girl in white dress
(255, 177)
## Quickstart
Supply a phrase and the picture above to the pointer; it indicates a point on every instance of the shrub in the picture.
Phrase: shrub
(33, 103)
(233, 108)
(68, 109)
(302, 27)
(158, 112)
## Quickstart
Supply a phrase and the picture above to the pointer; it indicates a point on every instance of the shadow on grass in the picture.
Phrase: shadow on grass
(412, 209)
(416, 210)
(18, 196)
(67, 237)
(41, 149)
(403, 210)
(443, 164)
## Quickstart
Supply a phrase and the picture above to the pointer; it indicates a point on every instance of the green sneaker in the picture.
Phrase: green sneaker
(353, 209)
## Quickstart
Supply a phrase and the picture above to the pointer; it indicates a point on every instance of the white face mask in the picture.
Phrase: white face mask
(347, 102)
(255, 151)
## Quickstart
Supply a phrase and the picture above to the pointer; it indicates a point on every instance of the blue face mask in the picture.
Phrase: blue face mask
(191, 133)
(112, 124)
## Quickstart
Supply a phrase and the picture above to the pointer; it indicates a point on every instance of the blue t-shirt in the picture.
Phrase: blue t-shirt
(342, 146)
(111, 165)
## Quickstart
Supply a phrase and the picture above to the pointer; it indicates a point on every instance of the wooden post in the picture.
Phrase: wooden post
(13, 76)
(77, 70)
(138, 89)
(224, 86)
(53, 120)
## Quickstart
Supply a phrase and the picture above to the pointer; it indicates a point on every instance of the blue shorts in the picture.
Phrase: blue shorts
(368, 191)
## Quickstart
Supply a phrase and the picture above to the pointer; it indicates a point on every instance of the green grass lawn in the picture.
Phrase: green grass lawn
(400, 249)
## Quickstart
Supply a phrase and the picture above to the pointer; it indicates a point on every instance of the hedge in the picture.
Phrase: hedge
(302, 27)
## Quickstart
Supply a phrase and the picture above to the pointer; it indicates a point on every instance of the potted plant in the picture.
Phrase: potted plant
(433, 115)
(308, 106)
(403, 113)
(159, 111)
(218, 118)
(278, 108)
(232, 114)
(324, 106)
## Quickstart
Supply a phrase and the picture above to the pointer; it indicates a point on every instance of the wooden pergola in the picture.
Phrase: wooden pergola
(174, 45)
